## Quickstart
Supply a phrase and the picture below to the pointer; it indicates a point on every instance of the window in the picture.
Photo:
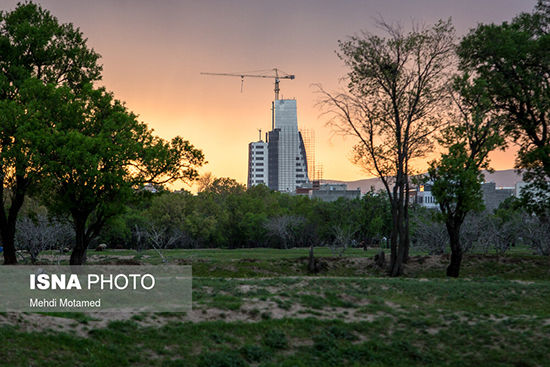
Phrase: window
(299, 175)
(259, 158)
(259, 152)
(260, 164)
(259, 169)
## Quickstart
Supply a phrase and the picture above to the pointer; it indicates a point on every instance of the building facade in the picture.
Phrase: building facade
(492, 195)
(424, 196)
(332, 192)
(258, 163)
(284, 159)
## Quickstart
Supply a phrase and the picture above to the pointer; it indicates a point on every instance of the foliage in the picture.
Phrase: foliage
(99, 155)
(256, 217)
(41, 60)
(397, 88)
(474, 131)
(512, 64)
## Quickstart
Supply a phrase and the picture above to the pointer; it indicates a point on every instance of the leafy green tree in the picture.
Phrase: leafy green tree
(99, 156)
(375, 218)
(512, 61)
(37, 55)
(456, 178)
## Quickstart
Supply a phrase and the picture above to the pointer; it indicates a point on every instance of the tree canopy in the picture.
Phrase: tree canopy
(37, 56)
(61, 133)
(397, 89)
(512, 62)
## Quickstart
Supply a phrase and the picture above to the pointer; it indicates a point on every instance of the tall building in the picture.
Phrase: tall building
(286, 154)
(257, 163)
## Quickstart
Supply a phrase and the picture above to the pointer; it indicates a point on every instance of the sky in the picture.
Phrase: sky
(153, 52)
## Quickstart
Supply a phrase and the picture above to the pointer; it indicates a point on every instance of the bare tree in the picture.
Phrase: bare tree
(205, 181)
(156, 237)
(284, 228)
(497, 234)
(343, 235)
(536, 235)
(429, 235)
(397, 88)
(35, 235)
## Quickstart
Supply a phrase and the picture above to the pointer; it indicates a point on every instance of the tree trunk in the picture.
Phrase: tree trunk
(311, 261)
(396, 266)
(393, 240)
(406, 238)
(456, 252)
(8, 243)
(8, 222)
(78, 256)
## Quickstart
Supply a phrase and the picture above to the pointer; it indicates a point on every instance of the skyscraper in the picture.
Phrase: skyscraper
(286, 154)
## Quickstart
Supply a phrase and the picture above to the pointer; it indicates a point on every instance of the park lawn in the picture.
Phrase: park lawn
(266, 262)
(313, 322)
(260, 307)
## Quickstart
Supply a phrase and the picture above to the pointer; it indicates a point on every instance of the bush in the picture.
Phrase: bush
(341, 332)
(225, 358)
(255, 353)
(275, 339)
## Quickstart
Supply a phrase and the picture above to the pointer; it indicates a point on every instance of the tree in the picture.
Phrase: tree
(37, 55)
(285, 228)
(396, 98)
(428, 234)
(35, 235)
(512, 62)
(375, 222)
(99, 156)
(456, 178)
(343, 236)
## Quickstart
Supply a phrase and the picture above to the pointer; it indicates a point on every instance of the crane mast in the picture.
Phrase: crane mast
(275, 76)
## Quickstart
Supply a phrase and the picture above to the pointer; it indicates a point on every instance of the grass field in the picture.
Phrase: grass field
(260, 308)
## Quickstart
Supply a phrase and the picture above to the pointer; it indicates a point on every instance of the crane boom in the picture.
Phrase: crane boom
(277, 78)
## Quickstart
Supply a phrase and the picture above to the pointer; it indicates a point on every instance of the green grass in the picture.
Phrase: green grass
(309, 342)
(253, 263)
(483, 295)
(496, 314)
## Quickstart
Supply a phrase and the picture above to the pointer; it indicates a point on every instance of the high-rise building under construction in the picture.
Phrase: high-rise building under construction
(280, 161)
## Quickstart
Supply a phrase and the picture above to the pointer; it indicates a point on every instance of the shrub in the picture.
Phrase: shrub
(275, 339)
(255, 353)
(224, 358)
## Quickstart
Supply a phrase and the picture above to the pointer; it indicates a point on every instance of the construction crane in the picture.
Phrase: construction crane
(277, 76)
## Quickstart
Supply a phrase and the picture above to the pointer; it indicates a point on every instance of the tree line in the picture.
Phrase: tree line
(224, 214)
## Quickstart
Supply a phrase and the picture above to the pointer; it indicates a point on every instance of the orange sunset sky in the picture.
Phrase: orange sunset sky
(153, 53)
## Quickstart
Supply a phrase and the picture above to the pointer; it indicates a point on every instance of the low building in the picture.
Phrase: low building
(492, 195)
(328, 191)
(423, 196)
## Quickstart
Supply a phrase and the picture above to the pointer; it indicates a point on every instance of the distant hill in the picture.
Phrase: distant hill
(504, 178)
